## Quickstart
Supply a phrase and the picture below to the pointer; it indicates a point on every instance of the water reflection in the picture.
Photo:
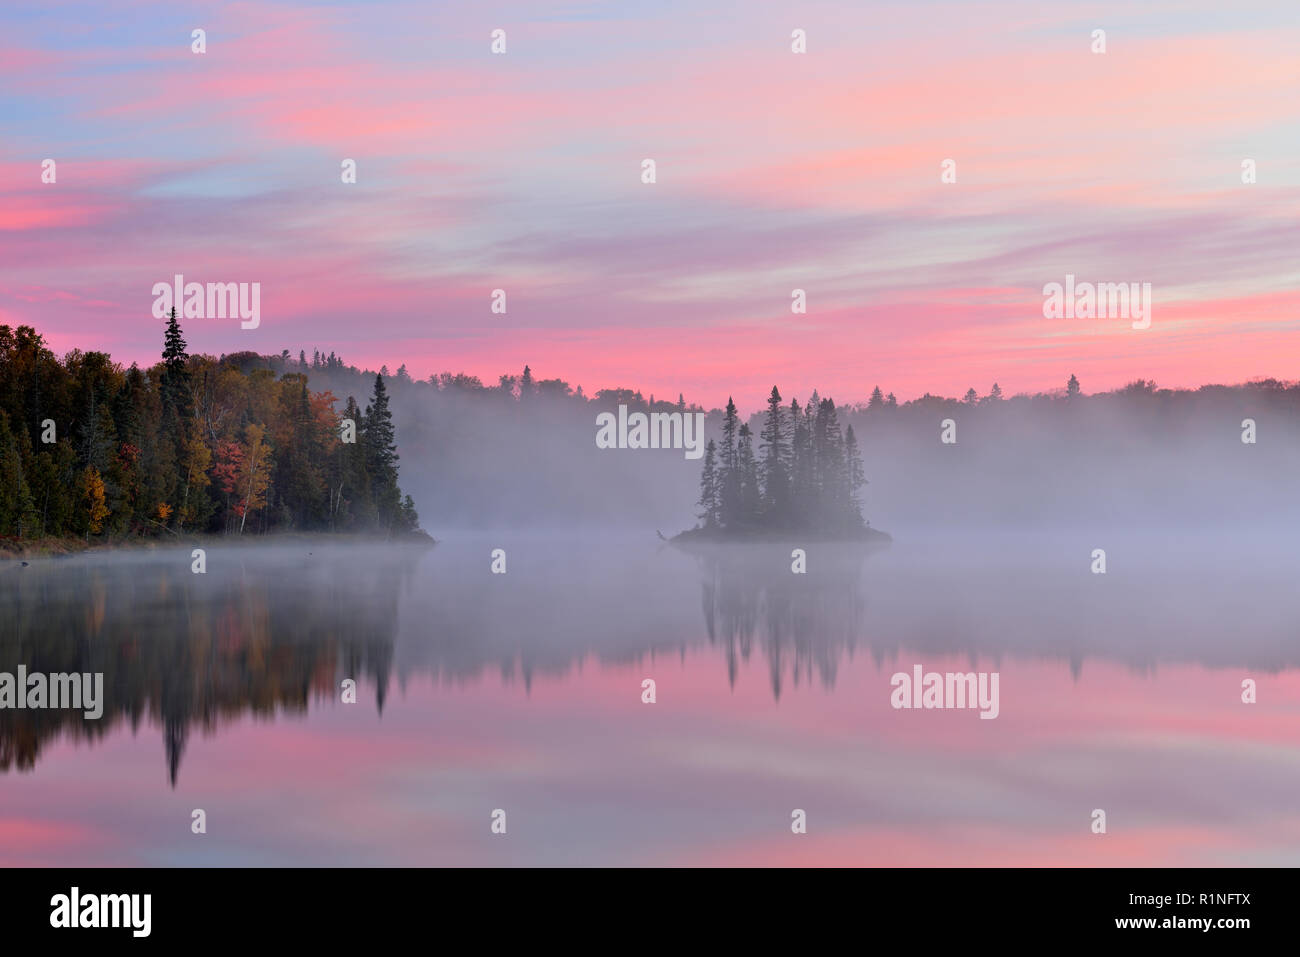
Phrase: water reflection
(258, 634)
(805, 622)
(270, 631)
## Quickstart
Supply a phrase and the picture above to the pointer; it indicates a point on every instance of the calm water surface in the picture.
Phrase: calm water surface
(523, 692)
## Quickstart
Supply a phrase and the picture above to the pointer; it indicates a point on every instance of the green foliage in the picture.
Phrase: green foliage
(193, 443)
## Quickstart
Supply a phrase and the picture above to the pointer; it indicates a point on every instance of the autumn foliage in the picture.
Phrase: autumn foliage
(193, 443)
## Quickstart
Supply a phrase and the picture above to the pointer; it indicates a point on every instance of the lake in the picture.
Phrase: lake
(523, 692)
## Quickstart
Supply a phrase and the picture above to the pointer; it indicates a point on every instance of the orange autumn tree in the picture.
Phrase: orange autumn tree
(93, 500)
(254, 475)
(169, 443)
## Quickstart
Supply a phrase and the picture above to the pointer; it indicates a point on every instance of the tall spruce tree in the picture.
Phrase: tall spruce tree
(381, 454)
(856, 475)
(776, 456)
(729, 476)
(175, 373)
(709, 488)
(751, 495)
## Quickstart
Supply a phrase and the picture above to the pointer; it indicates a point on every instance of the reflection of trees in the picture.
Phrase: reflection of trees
(264, 633)
(257, 637)
(804, 623)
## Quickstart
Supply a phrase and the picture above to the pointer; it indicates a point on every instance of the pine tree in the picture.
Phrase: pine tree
(380, 437)
(729, 477)
(751, 496)
(381, 455)
(776, 456)
(351, 504)
(1072, 388)
(801, 464)
(17, 509)
(730, 423)
(830, 489)
(709, 488)
(175, 375)
(877, 400)
(857, 476)
(409, 519)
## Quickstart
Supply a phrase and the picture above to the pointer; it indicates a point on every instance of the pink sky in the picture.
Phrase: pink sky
(775, 171)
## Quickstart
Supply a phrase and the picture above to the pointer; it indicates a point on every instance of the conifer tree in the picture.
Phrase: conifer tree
(856, 475)
(709, 488)
(776, 456)
(751, 496)
(729, 478)
(175, 374)
(381, 455)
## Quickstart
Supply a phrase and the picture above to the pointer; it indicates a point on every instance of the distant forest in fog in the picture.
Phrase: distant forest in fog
(520, 453)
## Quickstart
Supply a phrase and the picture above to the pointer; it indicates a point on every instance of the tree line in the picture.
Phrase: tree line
(804, 476)
(192, 444)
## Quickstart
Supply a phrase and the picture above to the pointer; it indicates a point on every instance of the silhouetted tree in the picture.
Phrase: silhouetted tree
(776, 456)
(825, 472)
(709, 488)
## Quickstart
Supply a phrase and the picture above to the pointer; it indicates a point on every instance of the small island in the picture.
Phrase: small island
(801, 485)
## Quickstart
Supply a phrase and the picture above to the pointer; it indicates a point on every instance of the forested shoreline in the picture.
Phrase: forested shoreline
(193, 444)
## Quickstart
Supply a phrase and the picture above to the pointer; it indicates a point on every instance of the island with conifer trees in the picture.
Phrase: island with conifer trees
(92, 453)
(801, 484)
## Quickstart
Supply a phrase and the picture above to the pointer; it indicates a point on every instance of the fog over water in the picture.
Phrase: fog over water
(473, 458)
(773, 691)
(523, 691)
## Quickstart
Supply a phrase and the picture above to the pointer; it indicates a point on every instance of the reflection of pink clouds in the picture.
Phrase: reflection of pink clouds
(413, 786)
(941, 846)
(20, 835)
